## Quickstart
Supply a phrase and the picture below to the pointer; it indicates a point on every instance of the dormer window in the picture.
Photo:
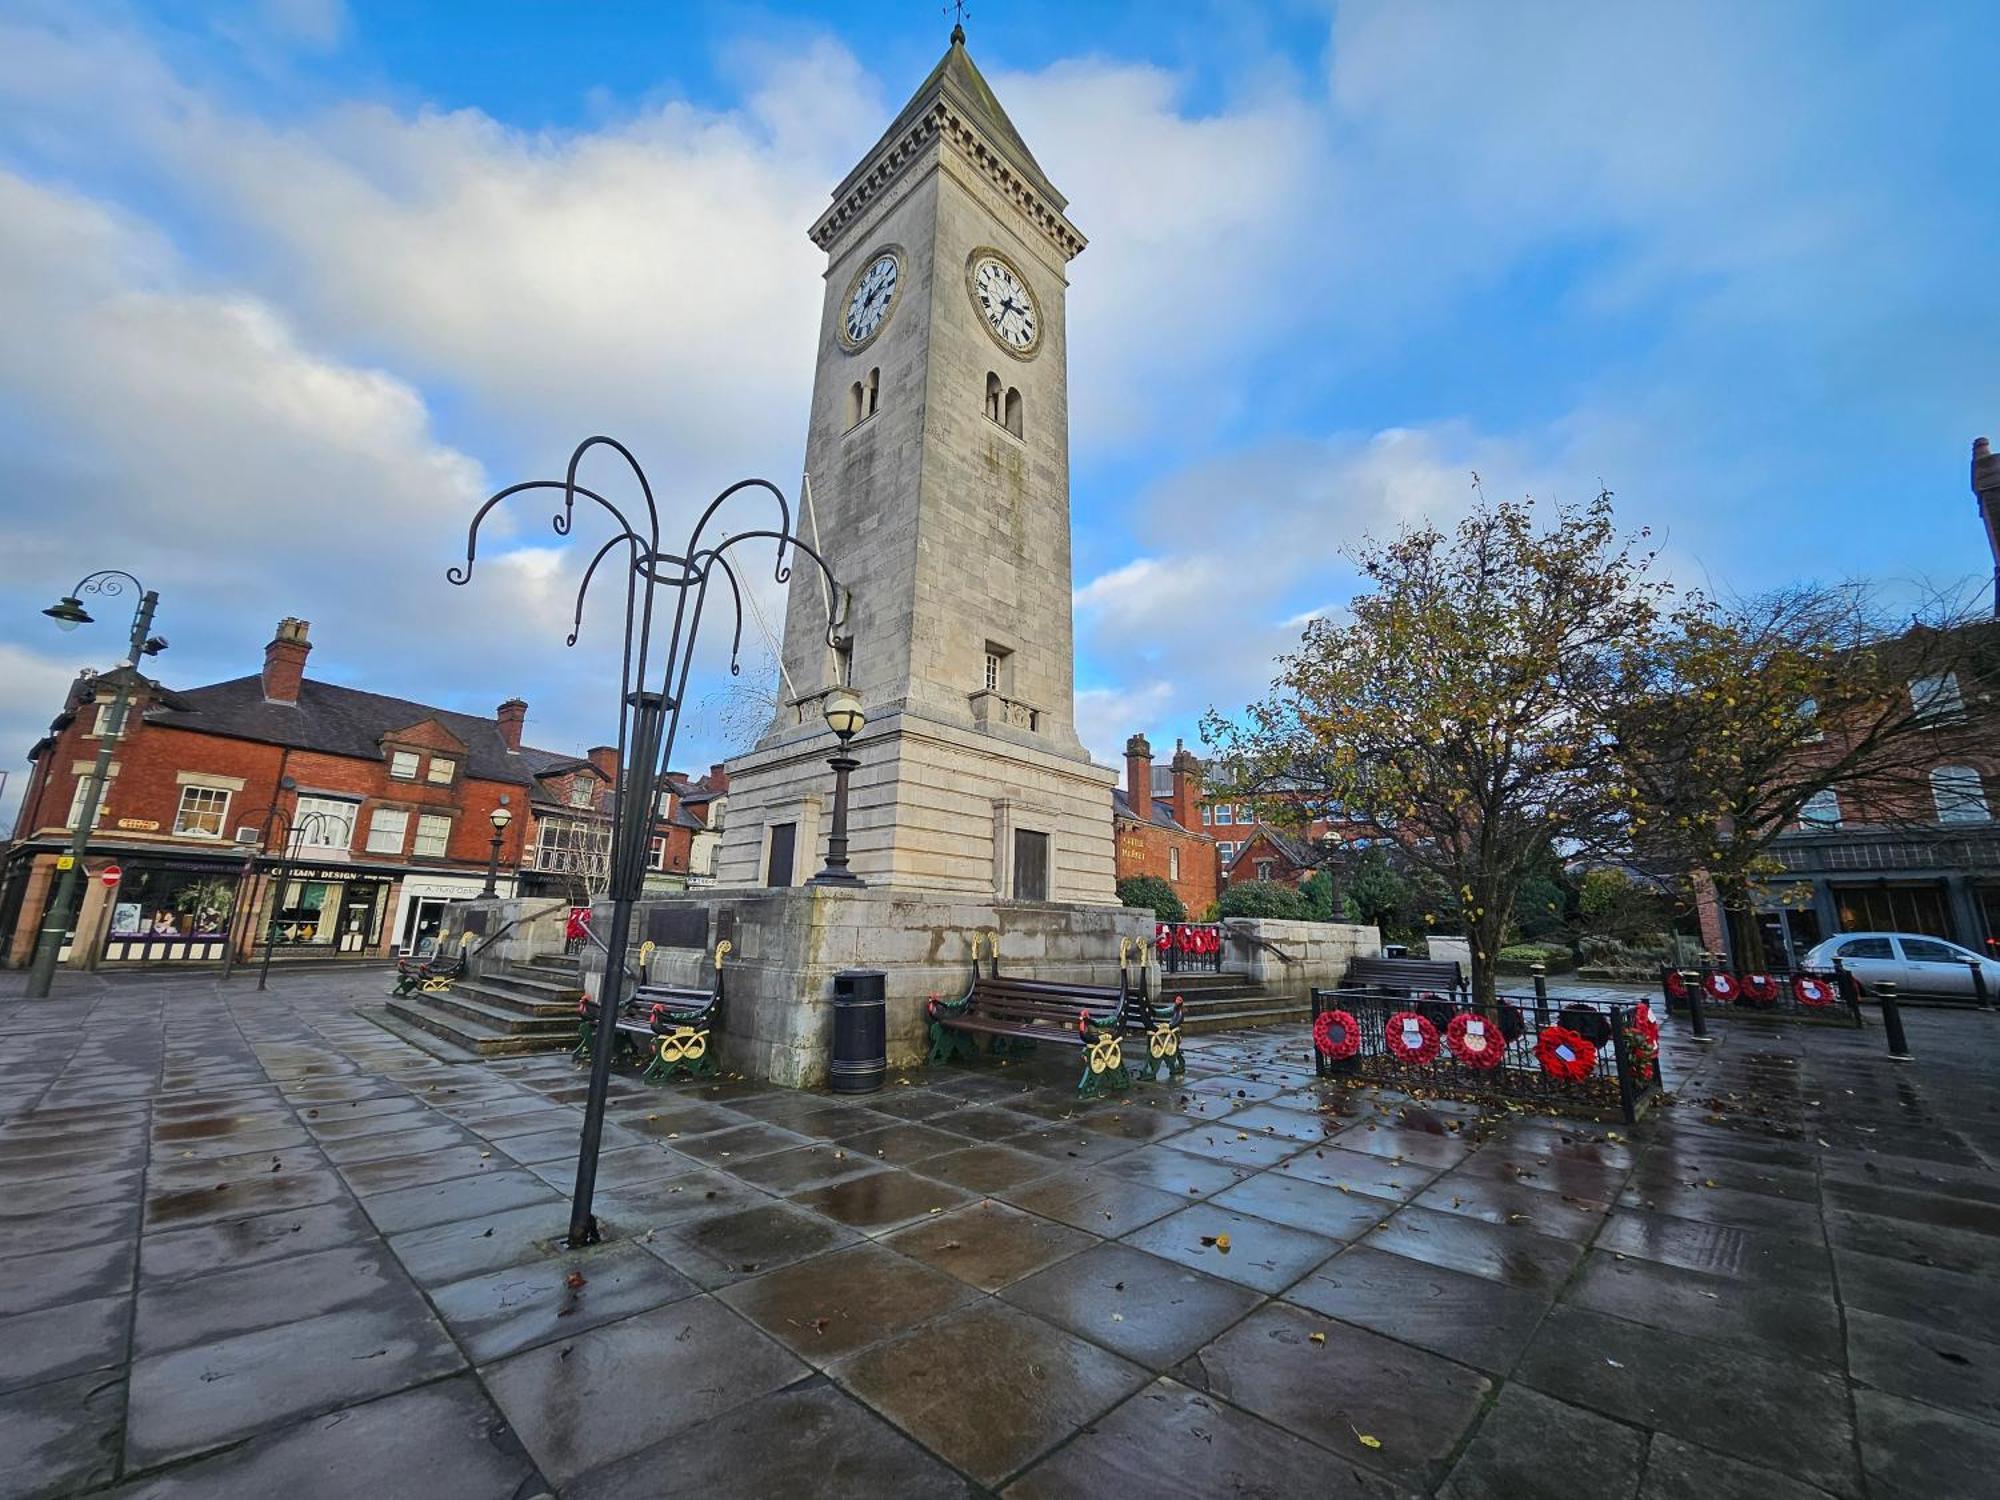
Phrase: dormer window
(441, 770)
(582, 792)
(403, 765)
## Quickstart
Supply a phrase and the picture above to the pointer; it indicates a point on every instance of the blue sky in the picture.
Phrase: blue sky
(290, 284)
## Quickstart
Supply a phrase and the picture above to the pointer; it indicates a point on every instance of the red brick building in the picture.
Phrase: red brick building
(1158, 835)
(384, 805)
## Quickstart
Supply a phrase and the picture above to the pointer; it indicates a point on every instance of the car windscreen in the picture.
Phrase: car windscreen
(1866, 948)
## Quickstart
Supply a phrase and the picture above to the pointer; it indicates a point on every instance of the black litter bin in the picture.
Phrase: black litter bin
(860, 1032)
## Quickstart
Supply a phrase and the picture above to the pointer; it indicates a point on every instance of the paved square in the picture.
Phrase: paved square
(253, 1245)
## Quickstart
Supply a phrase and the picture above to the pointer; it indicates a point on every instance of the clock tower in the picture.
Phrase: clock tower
(937, 451)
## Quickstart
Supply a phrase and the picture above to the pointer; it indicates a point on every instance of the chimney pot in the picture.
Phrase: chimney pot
(510, 716)
(1139, 777)
(285, 660)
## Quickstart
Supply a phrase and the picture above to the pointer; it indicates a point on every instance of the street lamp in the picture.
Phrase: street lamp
(842, 709)
(68, 613)
(501, 818)
(649, 707)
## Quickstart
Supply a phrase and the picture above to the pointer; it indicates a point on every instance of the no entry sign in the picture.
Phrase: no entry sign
(112, 875)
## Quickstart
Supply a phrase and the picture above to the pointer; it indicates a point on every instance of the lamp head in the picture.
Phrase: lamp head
(68, 612)
(843, 713)
(501, 818)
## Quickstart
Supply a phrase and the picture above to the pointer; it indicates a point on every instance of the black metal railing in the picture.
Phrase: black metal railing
(1572, 1056)
(1703, 993)
(1189, 947)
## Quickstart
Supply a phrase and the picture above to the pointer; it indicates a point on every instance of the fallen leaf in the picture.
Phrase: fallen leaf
(1369, 1441)
(1317, 1338)
(574, 1281)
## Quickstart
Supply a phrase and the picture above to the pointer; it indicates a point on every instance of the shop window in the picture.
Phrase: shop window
(1959, 794)
(324, 823)
(76, 803)
(1173, 864)
(1821, 810)
(1031, 865)
(387, 827)
(442, 769)
(202, 812)
(582, 792)
(173, 903)
(433, 836)
(403, 764)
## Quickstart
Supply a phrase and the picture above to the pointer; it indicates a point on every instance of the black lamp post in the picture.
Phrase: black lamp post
(501, 818)
(844, 717)
(68, 613)
(649, 706)
(317, 823)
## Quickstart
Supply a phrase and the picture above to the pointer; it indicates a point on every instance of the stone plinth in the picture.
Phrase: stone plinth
(786, 946)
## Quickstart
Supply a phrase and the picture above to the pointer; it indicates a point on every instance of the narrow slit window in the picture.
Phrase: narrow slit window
(993, 397)
(1013, 422)
(871, 392)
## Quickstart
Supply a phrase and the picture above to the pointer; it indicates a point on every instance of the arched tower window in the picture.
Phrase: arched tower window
(993, 396)
(854, 399)
(1013, 421)
(863, 397)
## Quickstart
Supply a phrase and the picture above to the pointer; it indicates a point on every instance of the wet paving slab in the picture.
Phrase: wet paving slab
(1437, 1251)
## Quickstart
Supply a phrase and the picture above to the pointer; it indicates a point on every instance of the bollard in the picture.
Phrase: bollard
(1850, 989)
(1892, 1022)
(1979, 990)
(1696, 987)
(1541, 973)
(1628, 1092)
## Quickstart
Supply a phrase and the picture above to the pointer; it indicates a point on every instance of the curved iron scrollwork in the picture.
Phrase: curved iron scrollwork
(652, 686)
(107, 581)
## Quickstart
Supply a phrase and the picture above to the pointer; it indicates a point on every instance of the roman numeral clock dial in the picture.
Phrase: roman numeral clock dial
(870, 299)
(1004, 303)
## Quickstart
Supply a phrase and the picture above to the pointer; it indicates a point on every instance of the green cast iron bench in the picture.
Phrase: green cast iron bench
(1403, 975)
(434, 972)
(1013, 1013)
(670, 1023)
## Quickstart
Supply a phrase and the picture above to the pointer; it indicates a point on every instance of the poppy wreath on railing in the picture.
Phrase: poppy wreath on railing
(1759, 989)
(1336, 1034)
(1475, 1040)
(1163, 937)
(1720, 986)
(1646, 1023)
(1642, 1051)
(1675, 984)
(1565, 1055)
(1818, 993)
(1411, 1038)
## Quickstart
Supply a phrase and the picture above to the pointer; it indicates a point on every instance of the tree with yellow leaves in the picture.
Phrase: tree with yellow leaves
(1459, 711)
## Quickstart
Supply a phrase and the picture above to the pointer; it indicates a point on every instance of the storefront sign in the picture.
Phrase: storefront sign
(140, 825)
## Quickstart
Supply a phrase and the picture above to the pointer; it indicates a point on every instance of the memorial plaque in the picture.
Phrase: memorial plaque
(677, 927)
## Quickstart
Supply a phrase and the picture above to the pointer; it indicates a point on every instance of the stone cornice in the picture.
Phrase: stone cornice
(948, 125)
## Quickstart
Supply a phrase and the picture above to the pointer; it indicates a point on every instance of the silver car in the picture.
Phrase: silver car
(1917, 965)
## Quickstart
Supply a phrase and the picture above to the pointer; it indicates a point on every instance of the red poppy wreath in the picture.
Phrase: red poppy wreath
(1411, 1038)
(1336, 1035)
(1810, 991)
(1675, 986)
(1759, 989)
(1565, 1055)
(1721, 987)
(1474, 1040)
(1646, 1023)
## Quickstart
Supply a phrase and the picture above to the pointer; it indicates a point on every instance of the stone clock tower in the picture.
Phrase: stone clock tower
(938, 452)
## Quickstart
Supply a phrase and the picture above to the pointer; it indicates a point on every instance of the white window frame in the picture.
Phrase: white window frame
(438, 825)
(379, 822)
(656, 852)
(1810, 732)
(326, 812)
(1267, 869)
(1959, 793)
(201, 794)
(1820, 810)
(76, 802)
(101, 724)
(992, 672)
(1225, 815)
(587, 787)
(1938, 697)
(403, 765)
(450, 770)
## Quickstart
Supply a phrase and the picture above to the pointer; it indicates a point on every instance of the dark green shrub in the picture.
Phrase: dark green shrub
(1263, 898)
(1152, 894)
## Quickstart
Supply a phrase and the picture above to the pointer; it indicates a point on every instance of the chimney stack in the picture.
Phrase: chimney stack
(717, 779)
(1986, 485)
(285, 661)
(510, 716)
(605, 758)
(1139, 777)
(1187, 787)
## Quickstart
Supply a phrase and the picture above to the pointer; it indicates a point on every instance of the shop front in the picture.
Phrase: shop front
(335, 912)
(167, 910)
(420, 907)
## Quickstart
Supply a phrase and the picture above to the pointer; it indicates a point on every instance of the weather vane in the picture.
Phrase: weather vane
(957, 11)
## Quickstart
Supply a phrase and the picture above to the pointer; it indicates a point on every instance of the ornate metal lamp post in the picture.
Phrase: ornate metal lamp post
(318, 823)
(844, 717)
(649, 704)
(68, 613)
(501, 818)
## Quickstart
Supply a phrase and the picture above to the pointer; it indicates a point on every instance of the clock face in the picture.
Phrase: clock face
(869, 303)
(1006, 304)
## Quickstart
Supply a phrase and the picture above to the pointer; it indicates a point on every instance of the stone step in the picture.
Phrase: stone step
(435, 1045)
(474, 1036)
(508, 995)
(1273, 1013)
(473, 1007)
(529, 976)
